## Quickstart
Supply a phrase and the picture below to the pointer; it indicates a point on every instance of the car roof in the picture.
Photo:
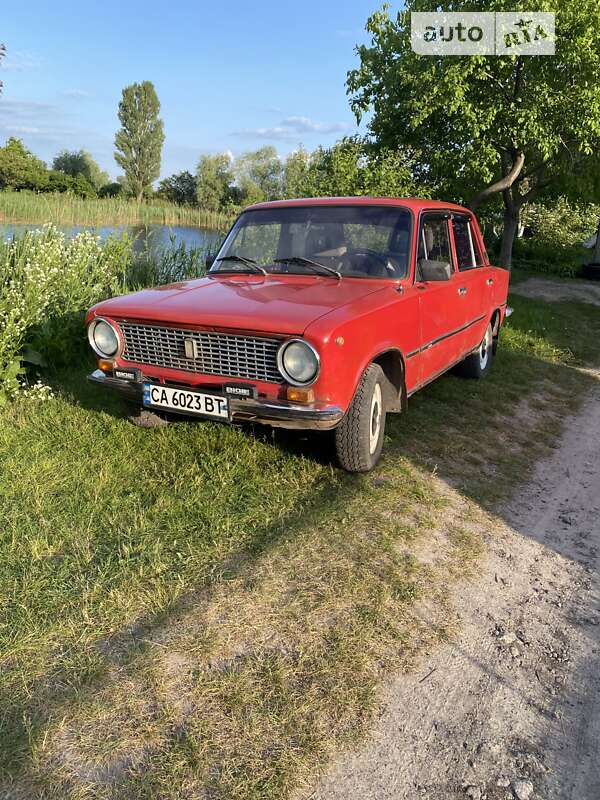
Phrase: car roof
(415, 203)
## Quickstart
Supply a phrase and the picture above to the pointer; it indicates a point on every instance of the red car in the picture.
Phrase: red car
(322, 314)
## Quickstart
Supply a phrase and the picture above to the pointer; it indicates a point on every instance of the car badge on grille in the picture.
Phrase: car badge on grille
(191, 348)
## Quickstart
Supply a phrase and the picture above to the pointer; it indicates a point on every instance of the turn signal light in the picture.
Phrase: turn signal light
(105, 364)
(297, 395)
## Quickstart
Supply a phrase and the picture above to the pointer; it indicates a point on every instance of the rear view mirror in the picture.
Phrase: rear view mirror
(209, 260)
(434, 270)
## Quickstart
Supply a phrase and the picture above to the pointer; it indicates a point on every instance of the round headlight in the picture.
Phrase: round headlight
(298, 362)
(103, 338)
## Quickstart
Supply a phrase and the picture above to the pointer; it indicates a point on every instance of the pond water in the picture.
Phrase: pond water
(152, 236)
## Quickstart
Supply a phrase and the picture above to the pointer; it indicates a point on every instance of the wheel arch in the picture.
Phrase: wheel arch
(495, 320)
(392, 364)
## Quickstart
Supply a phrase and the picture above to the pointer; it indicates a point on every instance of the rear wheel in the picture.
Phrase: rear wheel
(359, 437)
(479, 362)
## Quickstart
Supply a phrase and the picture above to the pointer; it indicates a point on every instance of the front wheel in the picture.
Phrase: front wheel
(359, 436)
(479, 362)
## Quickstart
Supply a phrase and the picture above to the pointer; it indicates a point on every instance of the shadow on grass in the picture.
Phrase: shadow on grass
(482, 438)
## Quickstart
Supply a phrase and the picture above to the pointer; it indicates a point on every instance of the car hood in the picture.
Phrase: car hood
(275, 304)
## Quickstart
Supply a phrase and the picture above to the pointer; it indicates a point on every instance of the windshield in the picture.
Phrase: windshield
(332, 241)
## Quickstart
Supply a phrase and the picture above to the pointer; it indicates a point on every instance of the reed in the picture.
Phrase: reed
(64, 209)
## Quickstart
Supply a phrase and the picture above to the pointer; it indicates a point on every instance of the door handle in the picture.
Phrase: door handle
(462, 290)
(489, 282)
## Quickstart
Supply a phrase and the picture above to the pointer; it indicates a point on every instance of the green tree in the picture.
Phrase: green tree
(353, 167)
(20, 169)
(214, 177)
(80, 162)
(178, 188)
(485, 127)
(114, 189)
(295, 173)
(139, 141)
(259, 175)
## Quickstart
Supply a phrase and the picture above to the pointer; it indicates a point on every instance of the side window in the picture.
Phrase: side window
(465, 245)
(434, 242)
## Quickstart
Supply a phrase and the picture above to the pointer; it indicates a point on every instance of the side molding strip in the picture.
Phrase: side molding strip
(445, 336)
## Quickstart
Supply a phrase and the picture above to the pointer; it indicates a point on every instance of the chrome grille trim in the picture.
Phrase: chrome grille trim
(252, 358)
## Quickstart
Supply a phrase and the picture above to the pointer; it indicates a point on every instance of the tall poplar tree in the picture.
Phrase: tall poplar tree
(139, 141)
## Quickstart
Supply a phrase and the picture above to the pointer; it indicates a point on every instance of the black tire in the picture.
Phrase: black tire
(359, 436)
(479, 363)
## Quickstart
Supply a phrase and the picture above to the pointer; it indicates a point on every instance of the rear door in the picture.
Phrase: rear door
(441, 304)
(473, 275)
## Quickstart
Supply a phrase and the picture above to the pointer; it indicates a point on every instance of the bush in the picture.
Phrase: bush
(561, 224)
(112, 190)
(536, 256)
(47, 281)
(558, 231)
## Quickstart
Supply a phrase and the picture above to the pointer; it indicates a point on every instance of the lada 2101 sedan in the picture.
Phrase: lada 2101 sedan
(315, 314)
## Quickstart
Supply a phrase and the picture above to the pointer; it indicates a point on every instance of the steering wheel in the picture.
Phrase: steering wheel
(366, 252)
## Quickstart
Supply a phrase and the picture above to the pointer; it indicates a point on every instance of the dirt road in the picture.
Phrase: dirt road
(511, 708)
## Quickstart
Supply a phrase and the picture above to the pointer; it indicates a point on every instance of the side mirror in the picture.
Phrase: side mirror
(209, 260)
(434, 270)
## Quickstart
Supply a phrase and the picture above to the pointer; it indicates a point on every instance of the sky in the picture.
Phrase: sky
(230, 76)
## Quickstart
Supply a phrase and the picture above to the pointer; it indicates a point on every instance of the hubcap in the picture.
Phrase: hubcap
(375, 424)
(484, 349)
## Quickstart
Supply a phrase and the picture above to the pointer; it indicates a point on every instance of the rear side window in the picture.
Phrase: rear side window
(467, 251)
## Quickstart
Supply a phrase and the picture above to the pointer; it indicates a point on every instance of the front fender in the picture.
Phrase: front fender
(348, 345)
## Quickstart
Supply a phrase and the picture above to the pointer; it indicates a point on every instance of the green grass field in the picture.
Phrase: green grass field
(64, 209)
(205, 611)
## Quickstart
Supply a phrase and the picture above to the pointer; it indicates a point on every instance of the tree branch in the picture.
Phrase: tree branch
(518, 77)
(505, 182)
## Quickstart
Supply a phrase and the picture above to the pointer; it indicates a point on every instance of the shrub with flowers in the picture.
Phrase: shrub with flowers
(47, 281)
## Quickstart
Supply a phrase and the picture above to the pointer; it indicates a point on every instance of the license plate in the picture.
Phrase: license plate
(185, 401)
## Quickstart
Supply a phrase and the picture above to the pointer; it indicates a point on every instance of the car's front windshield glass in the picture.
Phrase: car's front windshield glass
(346, 241)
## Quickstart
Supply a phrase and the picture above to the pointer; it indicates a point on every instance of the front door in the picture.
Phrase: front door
(442, 305)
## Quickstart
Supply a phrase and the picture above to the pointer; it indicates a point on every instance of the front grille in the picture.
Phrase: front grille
(230, 355)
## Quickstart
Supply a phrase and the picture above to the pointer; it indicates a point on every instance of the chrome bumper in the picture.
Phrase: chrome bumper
(276, 413)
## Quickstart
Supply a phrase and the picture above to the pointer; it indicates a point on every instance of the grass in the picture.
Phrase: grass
(207, 611)
(63, 209)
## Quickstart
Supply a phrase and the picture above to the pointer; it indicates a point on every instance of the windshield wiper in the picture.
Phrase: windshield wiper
(249, 262)
(309, 263)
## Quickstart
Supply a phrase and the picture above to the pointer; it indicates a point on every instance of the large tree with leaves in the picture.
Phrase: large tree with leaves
(80, 162)
(258, 174)
(485, 127)
(20, 169)
(214, 177)
(139, 141)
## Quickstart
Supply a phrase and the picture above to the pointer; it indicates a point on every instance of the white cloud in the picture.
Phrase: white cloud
(307, 125)
(20, 61)
(24, 107)
(290, 128)
(20, 129)
(76, 94)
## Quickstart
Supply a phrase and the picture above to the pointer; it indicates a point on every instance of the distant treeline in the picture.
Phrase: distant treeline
(222, 183)
(350, 167)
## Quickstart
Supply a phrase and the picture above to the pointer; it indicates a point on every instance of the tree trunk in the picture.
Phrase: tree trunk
(596, 258)
(511, 226)
(140, 196)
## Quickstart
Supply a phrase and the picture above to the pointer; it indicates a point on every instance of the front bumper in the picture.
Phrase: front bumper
(277, 413)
